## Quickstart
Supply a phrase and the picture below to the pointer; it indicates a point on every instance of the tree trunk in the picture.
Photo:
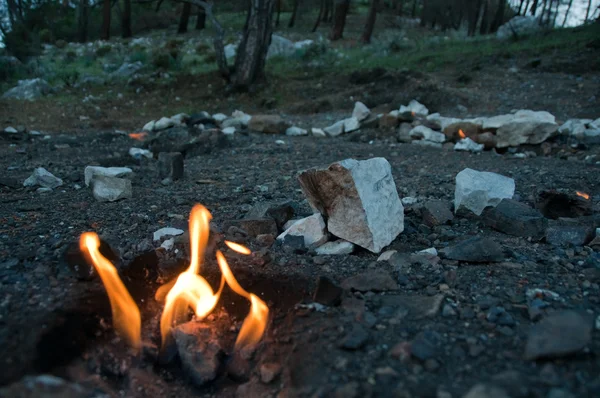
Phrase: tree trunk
(473, 18)
(424, 11)
(328, 15)
(520, 7)
(413, 12)
(339, 19)
(82, 20)
(526, 7)
(534, 7)
(278, 10)
(485, 18)
(321, 10)
(399, 7)
(294, 13)
(201, 20)
(252, 51)
(185, 18)
(105, 20)
(567, 13)
(126, 19)
(370, 25)
(587, 12)
(499, 17)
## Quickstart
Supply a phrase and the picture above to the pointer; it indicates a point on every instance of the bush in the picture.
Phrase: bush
(9, 67)
(102, 51)
(141, 56)
(314, 50)
(68, 76)
(203, 48)
(161, 60)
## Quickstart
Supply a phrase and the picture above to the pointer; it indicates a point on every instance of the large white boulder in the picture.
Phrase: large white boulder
(476, 190)
(91, 171)
(111, 189)
(43, 178)
(522, 127)
(414, 107)
(359, 200)
(360, 112)
(519, 26)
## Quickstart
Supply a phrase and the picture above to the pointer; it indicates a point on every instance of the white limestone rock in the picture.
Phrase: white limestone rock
(311, 228)
(522, 127)
(149, 126)
(219, 117)
(467, 144)
(338, 247)
(296, 131)
(163, 123)
(574, 127)
(414, 107)
(138, 153)
(180, 119)
(244, 118)
(359, 199)
(316, 132)
(351, 124)
(424, 133)
(476, 190)
(229, 131)
(360, 112)
(43, 178)
(442, 120)
(91, 171)
(167, 231)
(335, 129)
(110, 189)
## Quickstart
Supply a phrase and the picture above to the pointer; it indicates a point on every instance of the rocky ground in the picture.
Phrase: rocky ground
(503, 316)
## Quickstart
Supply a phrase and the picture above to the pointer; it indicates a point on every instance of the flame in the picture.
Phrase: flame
(126, 315)
(583, 195)
(461, 134)
(138, 136)
(193, 291)
(236, 247)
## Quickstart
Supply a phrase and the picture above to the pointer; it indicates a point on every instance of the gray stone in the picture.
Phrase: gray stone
(376, 280)
(560, 334)
(163, 123)
(475, 250)
(28, 90)
(359, 199)
(280, 46)
(436, 212)
(515, 218)
(254, 226)
(269, 124)
(335, 129)
(574, 127)
(110, 189)
(200, 352)
(518, 133)
(520, 116)
(426, 134)
(311, 228)
(317, 132)
(149, 126)
(296, 131)
(170, 165)
(415, 108)
(92, 171)
(338, 247)
(242, 117)
(43, 178)
(232, 122)
(476, 190)
(562, 235)
(355, 338)
(360, 112)
(281, 212)
(127, 69)
(351, 124)
(167, 231)
(414, 307)
(139, 153)
(468, 145)
(47, 386)
(442, 121)
(483, 390)
(519, 26)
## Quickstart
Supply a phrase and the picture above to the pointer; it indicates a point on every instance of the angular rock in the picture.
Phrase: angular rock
(167, 231)
(442, 121)
(436, 212)
(163, 123)
(476, 190)
(311, 229)
(270, 124)
(351, 124)
(170, 165)
(242, 117)
(371, 281)
(563, 235)
(28, 89)
(219, 117)
(574, 127)
(562, 333)
(426, 134)
(475, 250)
(111, 189)
(470, 128)
(468, 145)
(488, 140)
(335, 129)
(229, 131)
(360, 112)
(254, 226)
(295, 131)
(518, 133)
(92, 171)
(43, 178)
(199, 350)
(281, 212)
(522, 116)
(149, 126)
(316, 132)
(139, 153)
(414, 307)
(338, 247)
(389, 120)
(415, 108)
(359, 199)
(355, 338)
(232, 123)
(482, 390)
(327, 292)
(180, 119)
(515, 218)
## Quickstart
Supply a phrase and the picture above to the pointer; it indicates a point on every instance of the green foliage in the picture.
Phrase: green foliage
(140, 55)
(164, 60)
(69, 76)
(313, 51)
(103, 50)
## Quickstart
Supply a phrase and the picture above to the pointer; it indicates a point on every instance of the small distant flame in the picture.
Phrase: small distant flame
(125, 313)
(583, 195)
(461, 133)
(236, 247)
(138, 136)
(413, 113)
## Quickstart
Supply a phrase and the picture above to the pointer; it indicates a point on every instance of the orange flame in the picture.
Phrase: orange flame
(583, 195)
(138, 136)
(461, 133)
(236, 247)
(126, 316)
(192, 290)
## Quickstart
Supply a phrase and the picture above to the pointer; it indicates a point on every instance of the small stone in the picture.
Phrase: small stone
(426, 134)
(335, 129)
(389, 120)
(482, 390)
(448, 311)
(111, 189)
(468, 145)
(559, 334)
(269, 371)
(351, 124)
(149, 126)
(228, 131)
(476, 190)
(436, 212)
(269, 124)
(327, 292)
(265, 240)
(43, 178)
(414, 307)
(414, 108)
(338, 247)
(360, 112)
(163, 124)
(170, 165)
(562, 235)
(359, 199)
(281, 212)
(385, 256)
(168, 244)
(475, 250)
(425, 345)
(515, 218)
(139, 153)
(432, 251)
(92, 171)
(241, 116)
(371, 281)
(199, 351)
(254, 226)
(355, 338)
(311, 228)
(317, 132)
(11, 130)
(296, 131)
(168, 231)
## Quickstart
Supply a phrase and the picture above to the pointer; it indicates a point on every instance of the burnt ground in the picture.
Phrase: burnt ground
(53, 322)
